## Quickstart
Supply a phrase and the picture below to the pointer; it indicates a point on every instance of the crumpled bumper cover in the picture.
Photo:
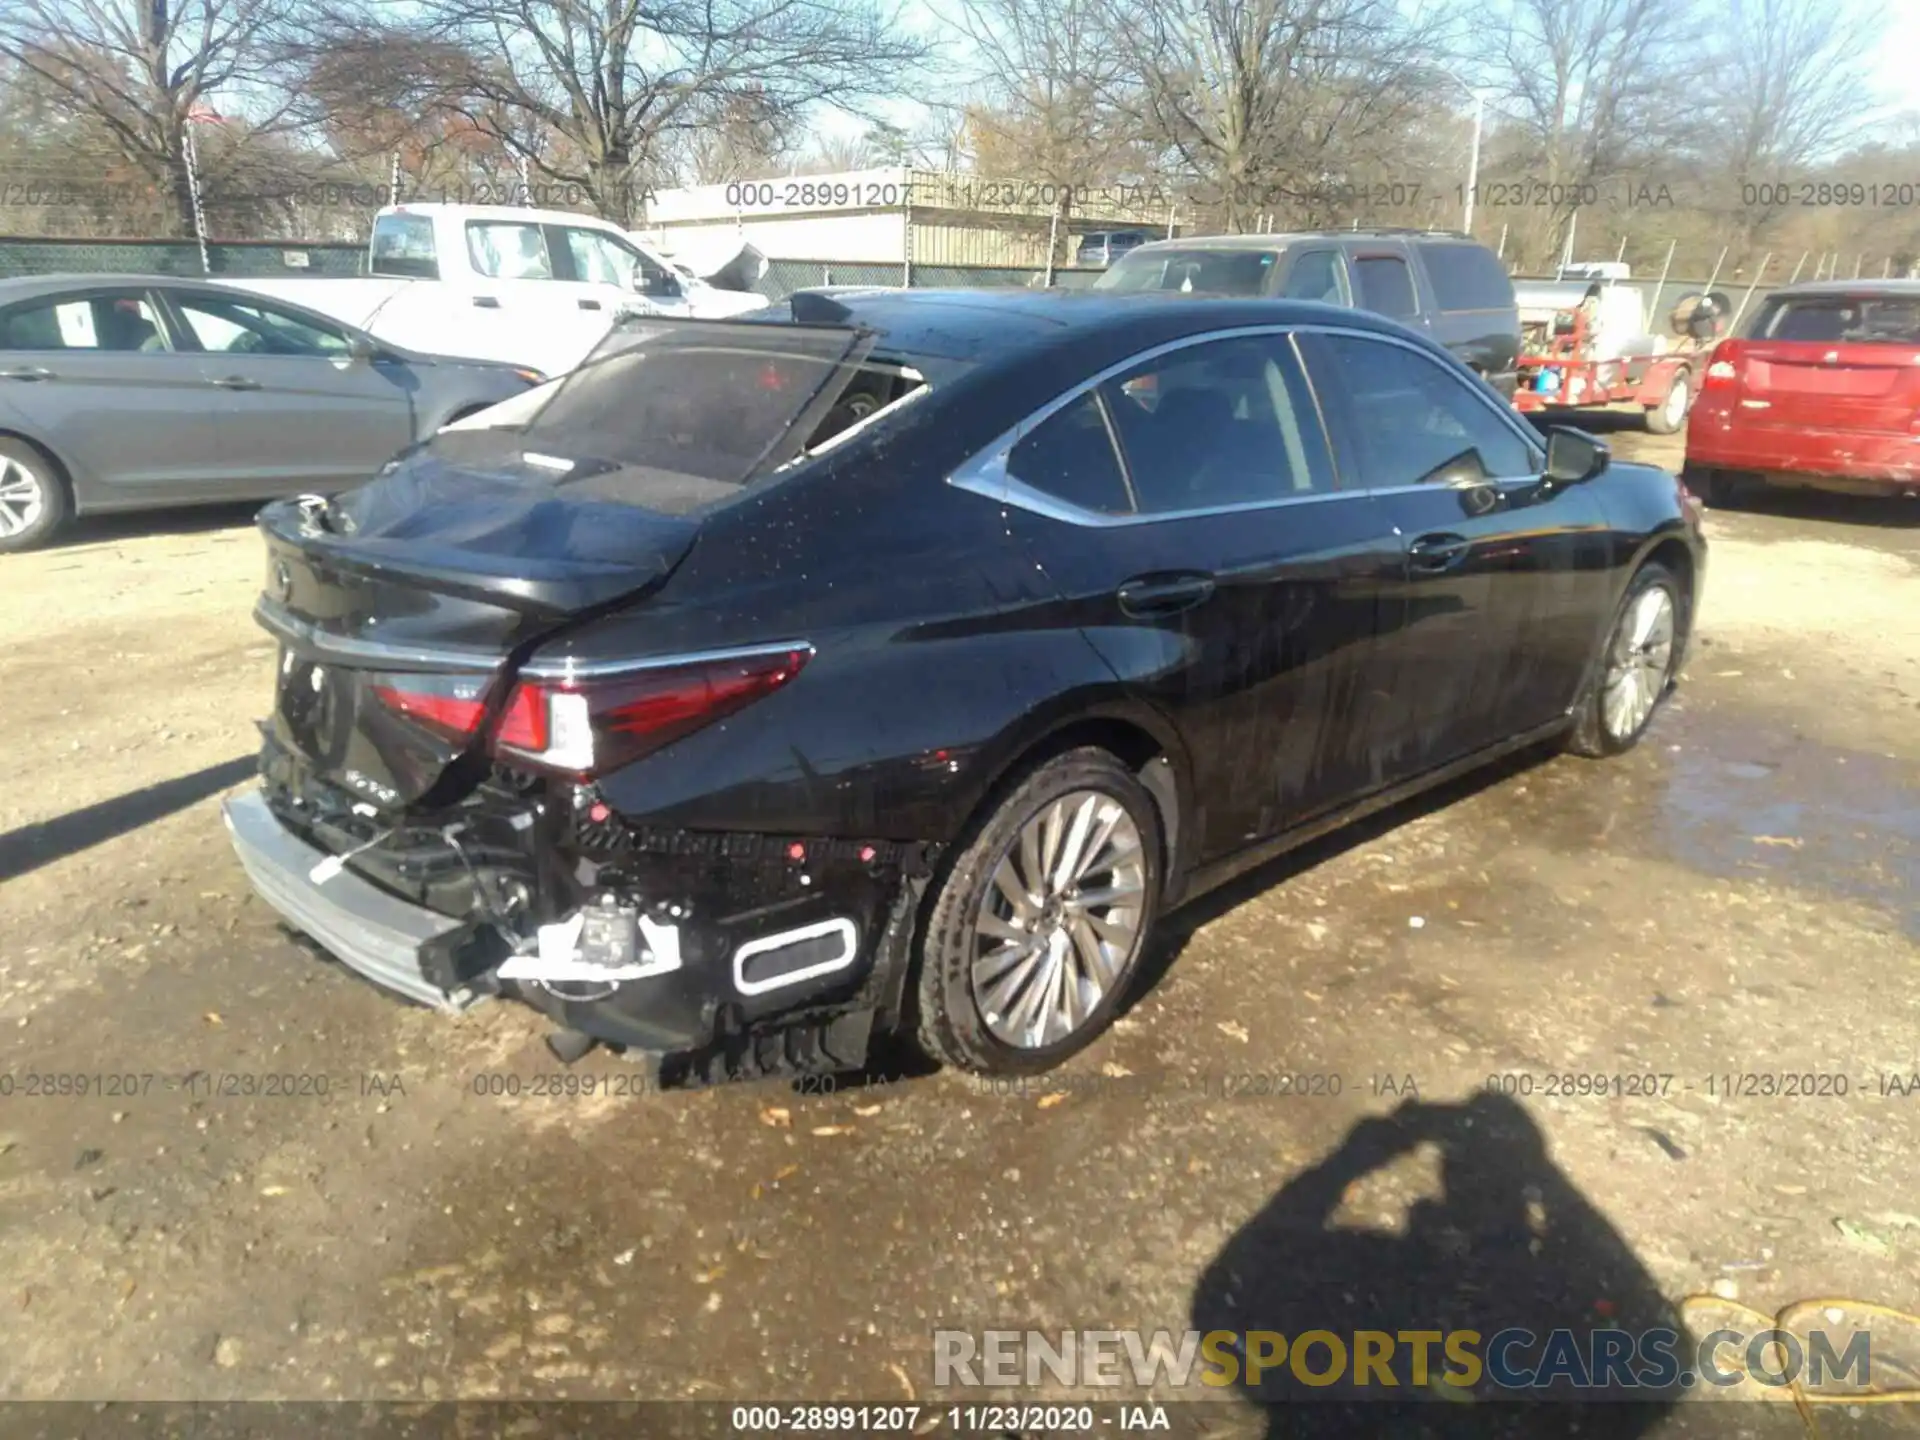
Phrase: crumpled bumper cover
(365, 928)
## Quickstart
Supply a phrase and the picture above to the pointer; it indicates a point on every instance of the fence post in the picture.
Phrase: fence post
(1660, 288)
(192, 158)
(1765, 261)
(906, 220)
(1716, 267)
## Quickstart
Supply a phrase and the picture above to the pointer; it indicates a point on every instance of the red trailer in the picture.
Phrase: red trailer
(1586, 344)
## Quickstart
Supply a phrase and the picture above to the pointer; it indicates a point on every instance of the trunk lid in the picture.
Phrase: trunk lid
(433, 579)
(1833, 362)
(404, 607)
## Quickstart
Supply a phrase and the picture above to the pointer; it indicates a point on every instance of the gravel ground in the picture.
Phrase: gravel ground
(1736, 897)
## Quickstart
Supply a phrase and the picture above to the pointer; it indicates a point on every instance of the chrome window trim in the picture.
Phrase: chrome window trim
(986, 472)
(570, 669)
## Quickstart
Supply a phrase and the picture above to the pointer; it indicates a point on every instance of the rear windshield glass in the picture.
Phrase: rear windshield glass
(717, 402)
(1830, 319)
(1208, 272)
(403, 245)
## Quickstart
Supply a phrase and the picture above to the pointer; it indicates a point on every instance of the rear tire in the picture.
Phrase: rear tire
(1669, 417)
(973, 1011)
(34, 503)
(1634, 672)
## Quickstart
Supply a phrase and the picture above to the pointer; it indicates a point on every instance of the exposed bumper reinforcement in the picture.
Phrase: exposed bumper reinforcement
(368, 930)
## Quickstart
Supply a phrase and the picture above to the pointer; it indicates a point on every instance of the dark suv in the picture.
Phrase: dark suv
(1443, 283)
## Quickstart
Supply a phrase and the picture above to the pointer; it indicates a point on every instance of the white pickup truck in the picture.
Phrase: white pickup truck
(537, 288)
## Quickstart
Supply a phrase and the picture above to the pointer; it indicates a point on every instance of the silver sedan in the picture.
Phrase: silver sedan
(127, 392)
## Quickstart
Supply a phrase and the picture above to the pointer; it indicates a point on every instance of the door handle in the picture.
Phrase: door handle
(1154, 595)
(1432, 554)
(589, 304)
(27, 372)
(486, 302)
(235, 382)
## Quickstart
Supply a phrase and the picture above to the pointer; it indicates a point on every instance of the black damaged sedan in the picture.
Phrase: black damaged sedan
(891, 662)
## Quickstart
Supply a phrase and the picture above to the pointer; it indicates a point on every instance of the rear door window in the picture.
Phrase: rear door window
(1841, 320)
(122, 322)
(1224, 423)
(403, 245)
(1467, 277)
(1385, 286)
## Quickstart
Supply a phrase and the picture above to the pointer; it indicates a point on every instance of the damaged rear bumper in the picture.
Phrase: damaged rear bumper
(379, 935)
(752, 968)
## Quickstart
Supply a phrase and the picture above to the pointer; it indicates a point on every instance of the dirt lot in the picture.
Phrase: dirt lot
(1736, 897)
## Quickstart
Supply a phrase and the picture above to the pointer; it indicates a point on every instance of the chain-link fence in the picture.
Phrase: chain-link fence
(255, 259)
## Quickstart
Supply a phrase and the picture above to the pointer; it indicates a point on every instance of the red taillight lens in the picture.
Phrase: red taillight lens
(450, 705)
(1723, 366)
(590, 726)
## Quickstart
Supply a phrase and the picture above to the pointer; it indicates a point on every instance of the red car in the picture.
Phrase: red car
(1820, 391)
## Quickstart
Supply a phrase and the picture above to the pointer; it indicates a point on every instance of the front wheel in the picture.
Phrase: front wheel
(1636, 668)
(1040, 922)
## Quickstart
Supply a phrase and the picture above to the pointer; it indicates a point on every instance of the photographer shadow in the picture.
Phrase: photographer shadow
(1512, 1244)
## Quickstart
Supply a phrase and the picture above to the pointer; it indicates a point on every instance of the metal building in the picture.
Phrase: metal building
(901, 216)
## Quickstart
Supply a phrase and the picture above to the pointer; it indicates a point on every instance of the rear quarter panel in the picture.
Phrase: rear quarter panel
(941, 655)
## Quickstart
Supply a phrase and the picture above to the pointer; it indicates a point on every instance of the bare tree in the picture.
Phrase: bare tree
(747, 137)
(1595, 92)
(147, 72)
(1045, 70)
(1263, 103)
(1787, 85)
(592, 92)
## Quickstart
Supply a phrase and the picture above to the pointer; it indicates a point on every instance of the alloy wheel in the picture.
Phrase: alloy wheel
(1060, 922)
(1637, 663)
(23, 497)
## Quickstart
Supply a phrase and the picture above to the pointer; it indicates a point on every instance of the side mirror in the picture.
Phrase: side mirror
(658, 284)
(361, 349)
(1574, 455)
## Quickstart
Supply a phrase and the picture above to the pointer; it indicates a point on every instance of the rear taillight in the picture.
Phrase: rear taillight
(449, 705)
(1723, 366)
(454, 705)
(587, 726)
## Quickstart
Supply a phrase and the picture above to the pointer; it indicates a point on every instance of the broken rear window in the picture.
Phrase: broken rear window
(718, 401)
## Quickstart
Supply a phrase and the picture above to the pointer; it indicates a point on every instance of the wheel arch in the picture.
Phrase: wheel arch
(62, 472)
(1138, 736)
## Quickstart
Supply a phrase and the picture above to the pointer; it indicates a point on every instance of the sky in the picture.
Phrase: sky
(1898, 79)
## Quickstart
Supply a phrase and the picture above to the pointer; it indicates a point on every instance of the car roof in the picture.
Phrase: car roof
(1279, 240)
(972, 325)
(520, 214)
(33, 287)
(1846, 287)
